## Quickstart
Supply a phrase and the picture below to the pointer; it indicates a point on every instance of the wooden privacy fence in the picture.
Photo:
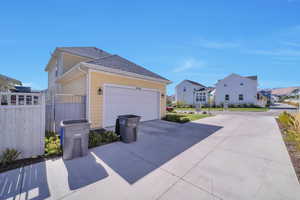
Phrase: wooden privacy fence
(22, 123)
(64, 107)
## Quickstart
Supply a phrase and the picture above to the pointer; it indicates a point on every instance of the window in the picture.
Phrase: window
(184, 89)
(56, 72)
(201, 97)
(227, 97)
(241, 97)
(241, 84)
(225, 85)
(13, 99)
(35, 100)
(4, 100)
(21, 99)
(28, 100)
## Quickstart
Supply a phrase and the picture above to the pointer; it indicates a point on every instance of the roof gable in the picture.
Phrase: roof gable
(194, 83)
(233, 75)
(105, 59)
(90, 52)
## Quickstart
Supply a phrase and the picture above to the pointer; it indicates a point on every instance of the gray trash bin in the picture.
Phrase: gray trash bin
(74, 138)
(128, 126)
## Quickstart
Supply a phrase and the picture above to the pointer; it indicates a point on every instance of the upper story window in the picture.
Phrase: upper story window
(184, 89)
(241, 97)
(225, 85)
(227, 98)
(56, 71)
(241, 84)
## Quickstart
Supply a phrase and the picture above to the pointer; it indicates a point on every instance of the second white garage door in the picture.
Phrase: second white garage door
(121, 100)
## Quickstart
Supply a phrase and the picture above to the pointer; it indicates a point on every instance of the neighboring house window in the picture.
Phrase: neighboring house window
(201, 97)
(225, 85)
(241, 97)
(56, 71)
(197, 96)
(227, 97)
(241, 84)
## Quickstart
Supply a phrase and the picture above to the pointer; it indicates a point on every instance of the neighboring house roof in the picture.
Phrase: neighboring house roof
(195, 83)
(7, 83)
(90, 52)
(284, 91)
(119, 63)
(251, 77)
(10, 80)
(233, 74)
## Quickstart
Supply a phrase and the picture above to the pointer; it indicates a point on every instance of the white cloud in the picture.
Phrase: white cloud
(188, 64)
(217, 44)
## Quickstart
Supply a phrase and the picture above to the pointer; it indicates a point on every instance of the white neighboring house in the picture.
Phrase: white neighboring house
(190, 92)
(236, 89)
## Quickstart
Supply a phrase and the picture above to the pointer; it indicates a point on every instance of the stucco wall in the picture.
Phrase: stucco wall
(98, 79)
(233, 89)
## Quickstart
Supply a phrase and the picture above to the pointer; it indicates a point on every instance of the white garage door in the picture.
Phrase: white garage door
(120, 100)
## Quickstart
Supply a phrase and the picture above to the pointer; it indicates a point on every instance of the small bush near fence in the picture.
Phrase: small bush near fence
(8, 156)
(101, 137)
(52, 144)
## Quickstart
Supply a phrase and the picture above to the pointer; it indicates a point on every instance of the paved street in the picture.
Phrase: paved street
(228, 156)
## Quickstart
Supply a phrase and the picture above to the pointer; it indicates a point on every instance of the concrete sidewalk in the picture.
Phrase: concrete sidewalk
(221, 157)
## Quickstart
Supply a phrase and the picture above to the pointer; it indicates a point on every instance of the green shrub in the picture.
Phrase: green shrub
(289, 121)
(97, 138)
(291, 125)
(177, 118)
(8, 156)
(184, 119)
(52, 144)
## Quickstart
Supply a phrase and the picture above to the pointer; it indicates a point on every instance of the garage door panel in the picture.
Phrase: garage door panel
(122, 100)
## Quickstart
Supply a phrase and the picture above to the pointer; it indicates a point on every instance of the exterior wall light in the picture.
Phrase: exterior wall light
(100, 92)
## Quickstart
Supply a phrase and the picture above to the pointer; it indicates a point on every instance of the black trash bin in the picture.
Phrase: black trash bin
(128, 127)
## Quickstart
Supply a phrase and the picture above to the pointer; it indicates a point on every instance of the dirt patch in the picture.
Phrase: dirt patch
(293, 151)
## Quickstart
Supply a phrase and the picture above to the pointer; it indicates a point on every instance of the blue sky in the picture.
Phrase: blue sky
(199, 40)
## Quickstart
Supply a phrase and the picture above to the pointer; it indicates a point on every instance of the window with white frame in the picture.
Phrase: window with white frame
(201, 97)
(241, 97)
(227, 98)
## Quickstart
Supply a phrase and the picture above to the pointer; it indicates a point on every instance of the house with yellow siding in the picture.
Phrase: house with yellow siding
(111, 84)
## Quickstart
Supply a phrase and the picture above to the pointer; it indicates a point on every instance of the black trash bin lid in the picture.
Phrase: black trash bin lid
(68, 122)
(128, 116)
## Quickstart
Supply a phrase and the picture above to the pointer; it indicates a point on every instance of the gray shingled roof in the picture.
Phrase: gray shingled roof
(119, 63)
(195, 83)
(252, 77)
(90, 52)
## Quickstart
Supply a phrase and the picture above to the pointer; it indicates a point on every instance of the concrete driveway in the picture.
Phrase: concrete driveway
(221, 157)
